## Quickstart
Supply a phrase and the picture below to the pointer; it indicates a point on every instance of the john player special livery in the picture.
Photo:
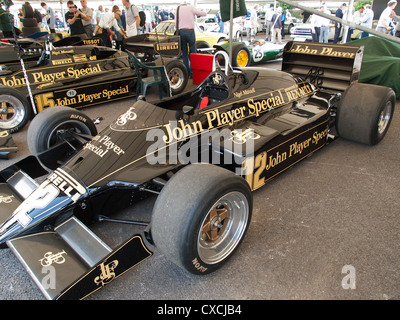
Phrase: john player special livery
(71, 72)
(248, 124)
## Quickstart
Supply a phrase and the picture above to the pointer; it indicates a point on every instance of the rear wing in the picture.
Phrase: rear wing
(150, 44)
(328, 66)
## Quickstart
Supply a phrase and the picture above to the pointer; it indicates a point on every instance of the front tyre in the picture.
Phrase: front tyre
(58, 126)
(201, 217)
(365, 112)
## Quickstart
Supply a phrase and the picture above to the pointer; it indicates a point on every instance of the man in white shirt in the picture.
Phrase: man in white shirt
(324, 25)
(109, 20)
(149, 19)
(51, 20)
(366, 19)
(253, 25)
(385, 19)
(132, 18)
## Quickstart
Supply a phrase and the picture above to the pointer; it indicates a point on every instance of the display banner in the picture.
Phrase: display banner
(239, 9)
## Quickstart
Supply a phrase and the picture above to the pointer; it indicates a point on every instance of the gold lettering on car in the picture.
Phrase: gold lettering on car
(107, 273)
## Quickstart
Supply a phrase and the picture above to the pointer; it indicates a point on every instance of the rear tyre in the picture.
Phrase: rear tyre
(177, 75)
(201, 217)
(29, 22)
(365, 112)
(27, 11)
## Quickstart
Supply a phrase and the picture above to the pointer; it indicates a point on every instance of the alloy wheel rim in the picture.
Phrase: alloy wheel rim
(223, 227)
(384, 117)
(175, 76)
(11, 111)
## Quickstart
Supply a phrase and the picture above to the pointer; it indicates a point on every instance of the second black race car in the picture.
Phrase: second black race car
(75, 73)
(201, 152)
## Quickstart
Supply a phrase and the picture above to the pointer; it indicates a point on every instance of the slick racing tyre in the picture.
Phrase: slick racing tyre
(27, 11)
(29, 22)
(365, 112)
(59, 125)
(201, 217)
(15, 110)
(178, 76)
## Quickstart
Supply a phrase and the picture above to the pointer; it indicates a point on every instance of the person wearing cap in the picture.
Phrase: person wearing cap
(366, 19)
(385, 18)
(338, 26)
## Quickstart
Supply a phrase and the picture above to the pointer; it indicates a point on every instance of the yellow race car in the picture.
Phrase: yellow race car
(203, 39)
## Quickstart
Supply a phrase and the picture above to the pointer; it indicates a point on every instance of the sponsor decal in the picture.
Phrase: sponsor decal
(58, 181)
(37, 78)
(245, 92)
(125, 117)
(259, 169)
(198, 266)
(6, 199)
(50, 258)
(93, 42)
(61, 61)
(57, 52)
(254, 107)
(107, 273)
(341, 52)
(77, 97)
(80, 57)
(240, 137)
(103, 147)
(166, 46)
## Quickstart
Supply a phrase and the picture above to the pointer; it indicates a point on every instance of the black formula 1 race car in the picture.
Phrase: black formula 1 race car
(71, 72)
(201, 152)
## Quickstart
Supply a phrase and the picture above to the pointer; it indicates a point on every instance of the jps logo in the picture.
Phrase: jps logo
(129, 115)
(217, 79)
(6, 199)
(240, 137)
(107, 273)
(50, 258)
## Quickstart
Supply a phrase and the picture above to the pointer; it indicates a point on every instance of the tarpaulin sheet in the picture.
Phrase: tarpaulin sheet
(381, 62)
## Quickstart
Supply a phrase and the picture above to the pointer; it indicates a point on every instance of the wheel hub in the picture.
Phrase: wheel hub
(223, 227)
(6, 112)
(215, 224)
